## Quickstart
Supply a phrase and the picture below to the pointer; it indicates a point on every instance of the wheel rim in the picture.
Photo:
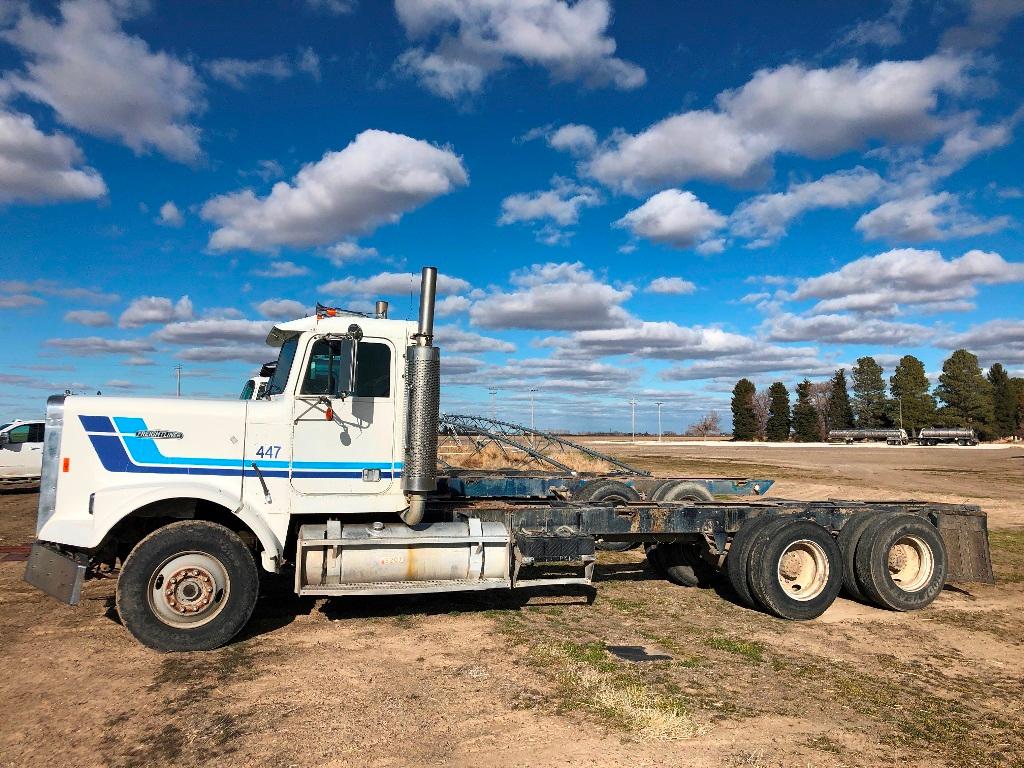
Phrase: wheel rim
(911, 563)
(189, 589)
(803, 570)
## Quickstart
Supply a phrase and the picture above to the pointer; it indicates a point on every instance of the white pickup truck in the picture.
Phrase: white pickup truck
(21, 452)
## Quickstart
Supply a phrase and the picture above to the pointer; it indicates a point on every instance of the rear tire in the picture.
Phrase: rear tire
(606, 490)
(795, 570)
(681, 490)
(189, 586)
(901, 562)
(739, 554)
(654, 559)
(683, 565)
(849, 536)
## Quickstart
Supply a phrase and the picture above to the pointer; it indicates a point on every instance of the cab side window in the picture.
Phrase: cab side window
(329, 368)
(373, 370)
(18, 434)
(35, 433)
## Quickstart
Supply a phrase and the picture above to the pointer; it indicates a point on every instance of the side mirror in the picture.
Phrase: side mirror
(5, 438)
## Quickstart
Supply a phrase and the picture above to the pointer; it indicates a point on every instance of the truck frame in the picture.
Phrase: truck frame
(332, 479)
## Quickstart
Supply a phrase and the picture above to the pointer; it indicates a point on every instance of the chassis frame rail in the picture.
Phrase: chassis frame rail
(963, 527)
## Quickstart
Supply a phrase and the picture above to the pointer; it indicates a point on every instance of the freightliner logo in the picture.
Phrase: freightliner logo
(159, 434)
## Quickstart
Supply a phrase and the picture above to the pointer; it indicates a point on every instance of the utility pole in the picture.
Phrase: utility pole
(494, 402)
(659, 404)
(900, 399)
(633, 403)
(177, 384)
(533, 420)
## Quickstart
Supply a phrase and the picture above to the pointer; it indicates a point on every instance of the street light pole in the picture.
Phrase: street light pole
(633, 403)
(177, 384)
(533, 420)
(494, 403)
(659, 404)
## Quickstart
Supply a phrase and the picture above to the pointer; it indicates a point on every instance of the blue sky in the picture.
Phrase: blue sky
(626, 199)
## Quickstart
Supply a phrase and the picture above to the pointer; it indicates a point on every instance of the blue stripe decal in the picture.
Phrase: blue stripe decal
(114, 459)
(126, 425)
(111, 450)
(96, 424)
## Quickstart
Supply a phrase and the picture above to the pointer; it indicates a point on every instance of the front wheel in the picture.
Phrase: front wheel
(189, 586)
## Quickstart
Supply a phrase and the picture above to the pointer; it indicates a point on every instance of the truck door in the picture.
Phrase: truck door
(343, 443)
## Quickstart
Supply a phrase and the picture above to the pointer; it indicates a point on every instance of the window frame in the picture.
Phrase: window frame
(308, 355)
(12, 430)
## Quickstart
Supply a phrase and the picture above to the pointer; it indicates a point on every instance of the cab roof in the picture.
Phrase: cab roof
(396, 330)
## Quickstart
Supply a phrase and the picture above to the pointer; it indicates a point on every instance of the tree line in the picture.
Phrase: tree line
(992, 404)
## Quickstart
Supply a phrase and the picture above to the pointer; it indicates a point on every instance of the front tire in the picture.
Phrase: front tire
(189, 586)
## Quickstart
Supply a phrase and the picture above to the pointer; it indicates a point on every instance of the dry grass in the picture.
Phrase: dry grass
(492, 456)
(590, 679)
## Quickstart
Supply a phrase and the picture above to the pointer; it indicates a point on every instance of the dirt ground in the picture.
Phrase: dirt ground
(528, 680)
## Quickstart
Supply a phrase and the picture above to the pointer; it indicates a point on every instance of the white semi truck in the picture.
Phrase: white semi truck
(332, 479)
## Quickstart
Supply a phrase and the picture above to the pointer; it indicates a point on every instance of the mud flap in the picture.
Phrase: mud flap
(967, 550)
(58, 575)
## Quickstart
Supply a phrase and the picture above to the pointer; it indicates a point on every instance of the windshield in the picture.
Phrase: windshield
(5, 426)
(247, 390)
(284, 366)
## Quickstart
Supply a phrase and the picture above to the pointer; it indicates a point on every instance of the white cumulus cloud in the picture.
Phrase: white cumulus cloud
(391, 284)
(674, 217)
(105, 82)
(563, 296)
(675, 286)
(467, 41)
(920, 218)
(766, 217)
(910, 277)
(559, 207)
(373, 181)
(155, 309)
(283, 309)
(170, 216)
(36, 167)
(817, 113)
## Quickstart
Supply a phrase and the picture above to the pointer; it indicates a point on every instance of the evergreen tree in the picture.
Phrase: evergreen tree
(1017, 385)
(1004, 402)
(777, 430)
(966, 393)
(911, 393)
(869, 403)
(840, 414)
(805, 419)
(744, 421)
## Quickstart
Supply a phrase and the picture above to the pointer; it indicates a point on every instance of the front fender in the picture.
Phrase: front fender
(110, 506)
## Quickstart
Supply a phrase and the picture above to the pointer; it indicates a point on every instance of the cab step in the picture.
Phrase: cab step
(404, 587)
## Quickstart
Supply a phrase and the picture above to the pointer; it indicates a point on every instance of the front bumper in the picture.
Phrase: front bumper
(57, 574)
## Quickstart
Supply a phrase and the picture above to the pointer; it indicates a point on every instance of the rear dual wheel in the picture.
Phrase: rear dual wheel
(900, 562)
(795, 569)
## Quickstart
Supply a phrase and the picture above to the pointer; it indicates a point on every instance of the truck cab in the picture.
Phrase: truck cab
(21, 450)
(325, 437)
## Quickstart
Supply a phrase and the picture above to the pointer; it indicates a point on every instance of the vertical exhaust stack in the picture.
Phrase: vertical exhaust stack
(423, 403)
